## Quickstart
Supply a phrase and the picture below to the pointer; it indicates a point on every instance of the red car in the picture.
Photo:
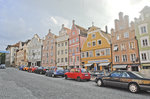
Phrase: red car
(78, 74)
(34, 68)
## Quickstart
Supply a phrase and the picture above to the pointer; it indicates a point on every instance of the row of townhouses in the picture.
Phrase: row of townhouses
(127, 47)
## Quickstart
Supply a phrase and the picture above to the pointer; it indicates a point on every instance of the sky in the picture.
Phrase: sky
(21, 19)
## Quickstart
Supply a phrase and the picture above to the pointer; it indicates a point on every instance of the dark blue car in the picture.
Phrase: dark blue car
(55, 72)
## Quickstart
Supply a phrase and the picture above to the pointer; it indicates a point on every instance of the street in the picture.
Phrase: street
(15, 84)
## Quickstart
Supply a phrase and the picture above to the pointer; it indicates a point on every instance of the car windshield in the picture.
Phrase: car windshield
(83, 70)
(138, 74)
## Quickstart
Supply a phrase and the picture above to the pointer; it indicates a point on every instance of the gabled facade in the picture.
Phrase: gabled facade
(142, 29)
(62, 47)
(49, 50)
(10, 61)
(124, 45)
(77, 37)
(34, 48)
(96, 51)
(21, 54)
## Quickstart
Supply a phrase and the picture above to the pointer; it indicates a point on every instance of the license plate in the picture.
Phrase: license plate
(86, 75)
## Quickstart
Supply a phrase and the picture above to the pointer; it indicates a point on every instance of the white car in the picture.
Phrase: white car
(2, 66)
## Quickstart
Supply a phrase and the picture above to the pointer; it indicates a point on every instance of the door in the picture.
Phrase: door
(113, 79)
(125, 78)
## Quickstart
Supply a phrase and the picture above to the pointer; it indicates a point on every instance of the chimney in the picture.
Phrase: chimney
(120, 16)
(73, 22)
(62, 25)
(106, 29)
(126, 21)
(112, 32)
(49, 30)
(116, 25)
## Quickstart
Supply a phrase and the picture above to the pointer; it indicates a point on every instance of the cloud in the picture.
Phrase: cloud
(54, 20)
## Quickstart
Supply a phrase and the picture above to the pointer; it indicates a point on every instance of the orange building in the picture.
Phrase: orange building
(96, 51)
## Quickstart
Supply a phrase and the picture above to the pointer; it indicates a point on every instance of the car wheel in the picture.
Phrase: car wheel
(99, 83)
(66, 77)
(133, 88)
(78, 79)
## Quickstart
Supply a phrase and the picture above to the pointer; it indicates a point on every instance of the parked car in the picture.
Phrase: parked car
(2, 66)
(38, 70)
(21, 67)
(25, 68)
(34, 69)
(78, 74)
(56, 72)
(134, 81)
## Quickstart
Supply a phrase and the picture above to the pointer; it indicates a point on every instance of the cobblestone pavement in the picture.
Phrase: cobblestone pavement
(15, 84)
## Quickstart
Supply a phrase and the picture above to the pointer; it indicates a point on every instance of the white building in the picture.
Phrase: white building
(62, 47)
(34, 48)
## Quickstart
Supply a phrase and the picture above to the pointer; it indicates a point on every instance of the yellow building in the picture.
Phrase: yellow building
(96, 51)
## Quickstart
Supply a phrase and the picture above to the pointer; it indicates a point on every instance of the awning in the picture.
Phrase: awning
(87, 64)
(103, 64)
(119, 66)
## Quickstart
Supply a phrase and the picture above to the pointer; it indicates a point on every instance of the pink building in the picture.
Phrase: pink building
(77, 37)
(49, 50)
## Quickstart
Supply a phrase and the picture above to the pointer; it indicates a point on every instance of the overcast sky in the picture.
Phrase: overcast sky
(21, 19)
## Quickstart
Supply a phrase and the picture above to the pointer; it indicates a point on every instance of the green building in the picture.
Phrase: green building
(142, 30)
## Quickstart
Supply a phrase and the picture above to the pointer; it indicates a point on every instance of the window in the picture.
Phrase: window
(144, 42)
(108, 51)
(97, 52)
(65, 51)
(58, 60)
(131, 45)
(99, 42)
(51, 60)
(62, 60)
(123, 47)
(77, 49)
(51, 53)
(87, 54)
(51, 47)
(102, 52)
(124, 58)
(144, 56)
(77, 58)
(73, 40)
(62, 51)
(58, 52)
(126, 35)
(93, 43)
(70, 41)
(73, 33)
(143, 29)
(89, 44)
(115, 47)
(62, 44)
(58, 45)
(116, 74)
(70, 59)
(82, 55)
(116, 58)
(77, 39)
(65, 43)
(66, 59)
(70, 50)
(93, 35)
(125, 75)
(52, 41)
(132, 57)
(91, 54)
(117, 37)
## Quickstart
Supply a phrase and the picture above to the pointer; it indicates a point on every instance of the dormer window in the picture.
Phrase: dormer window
(93, 36)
